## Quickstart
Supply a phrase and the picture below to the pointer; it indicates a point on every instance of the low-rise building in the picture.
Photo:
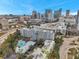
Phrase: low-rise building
(4, 23)
(55, 27)
(34, 21)
(23, 46)
(70, 19)
(42, 53)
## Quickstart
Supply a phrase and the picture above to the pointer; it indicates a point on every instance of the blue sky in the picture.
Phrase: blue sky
(27, 6)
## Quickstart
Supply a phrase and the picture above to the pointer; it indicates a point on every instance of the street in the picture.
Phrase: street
(66, 45)
(3, 37)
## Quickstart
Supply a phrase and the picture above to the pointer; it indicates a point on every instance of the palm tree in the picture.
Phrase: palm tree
(73, 52)
(77, 57)
(52, 55)
(1, 52)
(11, 42)
(59, 41)
(21, 56)
(40, 42)
(0, 26)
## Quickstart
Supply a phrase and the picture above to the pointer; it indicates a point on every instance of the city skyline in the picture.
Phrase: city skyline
(26, 7)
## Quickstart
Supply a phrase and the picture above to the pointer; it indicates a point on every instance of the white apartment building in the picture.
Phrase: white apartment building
(45, 31)
(35, 33)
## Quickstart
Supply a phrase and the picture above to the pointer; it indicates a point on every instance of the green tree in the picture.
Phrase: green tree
(73, 51)
(21, 56)
(58, 42)
(28, 25)
(52, 55)
(77, 57)
(11, 41)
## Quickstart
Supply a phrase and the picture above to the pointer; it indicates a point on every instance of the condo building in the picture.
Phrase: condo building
(67, 13)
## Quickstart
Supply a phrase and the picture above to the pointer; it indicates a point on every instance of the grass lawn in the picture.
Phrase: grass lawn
(1, 58)
(1, 34)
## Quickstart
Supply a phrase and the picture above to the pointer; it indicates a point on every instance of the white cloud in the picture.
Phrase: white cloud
(73, 13)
